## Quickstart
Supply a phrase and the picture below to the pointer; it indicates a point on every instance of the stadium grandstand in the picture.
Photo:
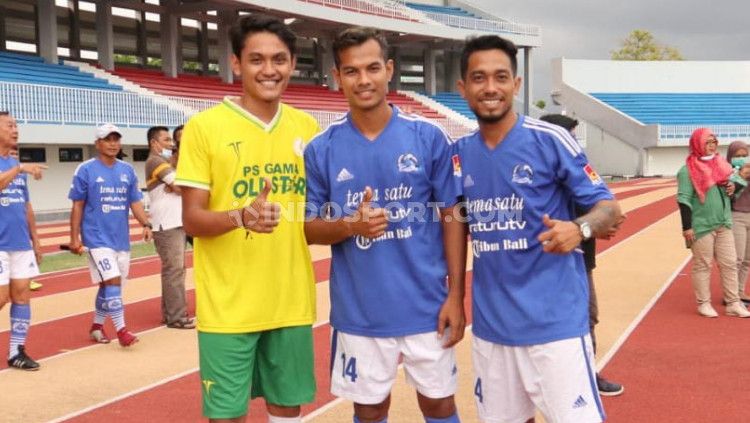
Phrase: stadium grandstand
(638, 116)
(66, 66)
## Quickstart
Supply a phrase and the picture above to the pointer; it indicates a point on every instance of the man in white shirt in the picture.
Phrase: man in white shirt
(169, 236)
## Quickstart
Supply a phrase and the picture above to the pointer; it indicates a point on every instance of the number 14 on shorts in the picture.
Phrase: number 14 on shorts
(349, 367)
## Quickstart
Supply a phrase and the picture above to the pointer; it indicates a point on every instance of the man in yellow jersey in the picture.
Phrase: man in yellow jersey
(243, 177)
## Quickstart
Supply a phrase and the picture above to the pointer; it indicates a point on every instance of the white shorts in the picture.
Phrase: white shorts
(363, 369)
(558, 378)
(106, 264)
(17, 265)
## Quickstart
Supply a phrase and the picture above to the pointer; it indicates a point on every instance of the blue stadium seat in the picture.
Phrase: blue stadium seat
(682, 108)
(446, 10)
(455, 102)
(29, 69)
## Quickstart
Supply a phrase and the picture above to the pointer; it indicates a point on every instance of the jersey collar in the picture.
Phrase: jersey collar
(231, 102)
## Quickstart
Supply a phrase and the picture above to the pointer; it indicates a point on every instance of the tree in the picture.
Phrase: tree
(641, 45)
(540, 104)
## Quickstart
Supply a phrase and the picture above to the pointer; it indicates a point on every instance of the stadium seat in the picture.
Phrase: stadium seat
(28, 69)
(681, 108)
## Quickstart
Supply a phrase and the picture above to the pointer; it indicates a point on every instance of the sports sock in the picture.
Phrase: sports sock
(450, 419)
(356, 420)
(100, 314)
(20, 319)
(113, 305)
(277, 419)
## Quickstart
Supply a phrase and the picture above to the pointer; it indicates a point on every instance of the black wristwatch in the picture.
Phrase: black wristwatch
(148, 225)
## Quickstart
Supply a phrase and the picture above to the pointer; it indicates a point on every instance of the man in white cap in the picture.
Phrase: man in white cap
(104, 189)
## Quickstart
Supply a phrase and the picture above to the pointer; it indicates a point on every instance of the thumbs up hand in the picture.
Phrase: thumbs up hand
(561, 236)
(262, 216)
(367, 221)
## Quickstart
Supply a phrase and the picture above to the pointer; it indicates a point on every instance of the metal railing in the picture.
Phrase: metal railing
(31, 103)
(379, 8)
(486, 25)
(683, 132)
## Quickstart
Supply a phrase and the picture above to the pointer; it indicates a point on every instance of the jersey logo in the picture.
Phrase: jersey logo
(100, 180)
(236, 147)
(523, 174)
(20, 326)
(105, 208)
(299, 147)
(456, 165)
(593, 176)
(468, 181)
(124, 178)
(580, 402)
(407, 163)
(207, 384)
(344, 175)
(5, 201)
(362, 242)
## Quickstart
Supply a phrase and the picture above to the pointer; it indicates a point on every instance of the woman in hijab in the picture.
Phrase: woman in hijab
(737, 155)
(703, 191)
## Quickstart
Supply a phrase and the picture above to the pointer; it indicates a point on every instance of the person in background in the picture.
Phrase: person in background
(165, 209)
(703, 196)
(606, 387)
(737, 155)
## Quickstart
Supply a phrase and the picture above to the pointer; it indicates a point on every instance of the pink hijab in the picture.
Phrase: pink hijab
(705, 173)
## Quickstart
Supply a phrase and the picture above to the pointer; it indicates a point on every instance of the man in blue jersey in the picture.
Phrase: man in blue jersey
(381, 193)
(19, 244)
(103, 191)
(521, 178)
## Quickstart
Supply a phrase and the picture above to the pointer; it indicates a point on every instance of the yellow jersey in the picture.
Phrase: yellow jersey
(261, 281)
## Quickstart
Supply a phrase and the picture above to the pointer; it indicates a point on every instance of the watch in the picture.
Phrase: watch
(148, 225)
(585, 228)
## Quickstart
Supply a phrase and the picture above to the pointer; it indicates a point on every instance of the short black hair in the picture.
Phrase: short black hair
(356, 36)
(566, 122)
(488, 42)
(253, 24)
(154, 130)
(4, 113)
(176, 130)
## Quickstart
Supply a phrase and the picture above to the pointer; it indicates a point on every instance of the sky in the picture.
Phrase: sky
(591, 29)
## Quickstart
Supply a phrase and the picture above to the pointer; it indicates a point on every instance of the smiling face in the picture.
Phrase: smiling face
(265, 66)
(363, 75)
(489, 85)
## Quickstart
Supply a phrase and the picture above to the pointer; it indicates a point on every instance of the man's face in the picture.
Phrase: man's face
(489, 85)
(109, 146)
(363, 75)
(265, 66)
(8, 131)
(162, 141)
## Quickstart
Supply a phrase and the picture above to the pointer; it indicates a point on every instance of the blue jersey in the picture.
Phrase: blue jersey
(393, 285)
(107, 193)
(14, 227)
(522, 295)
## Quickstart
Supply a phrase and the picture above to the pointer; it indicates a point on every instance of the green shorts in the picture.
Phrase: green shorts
(275, 364)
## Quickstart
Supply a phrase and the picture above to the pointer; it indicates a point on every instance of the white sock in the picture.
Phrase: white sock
(277, 419)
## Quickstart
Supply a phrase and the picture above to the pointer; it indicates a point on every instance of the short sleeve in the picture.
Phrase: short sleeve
(79, 186)
(574, 170)
(318, 189)
(685, 189)
(443, 178)
(193, 167)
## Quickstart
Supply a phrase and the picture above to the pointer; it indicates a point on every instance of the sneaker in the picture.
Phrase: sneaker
(737, 309)
(706, 310)
(96, 333)
(607, 388)
(23, 361)
(35, 286)
(184, 323)
(126, 337)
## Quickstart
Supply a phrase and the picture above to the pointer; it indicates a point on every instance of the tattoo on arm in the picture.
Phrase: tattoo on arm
(602, 217)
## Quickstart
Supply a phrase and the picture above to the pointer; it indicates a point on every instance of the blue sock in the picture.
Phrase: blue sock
(451, 419)
(100, 314)
(356, 420)
(20, 319)
(113, 305)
